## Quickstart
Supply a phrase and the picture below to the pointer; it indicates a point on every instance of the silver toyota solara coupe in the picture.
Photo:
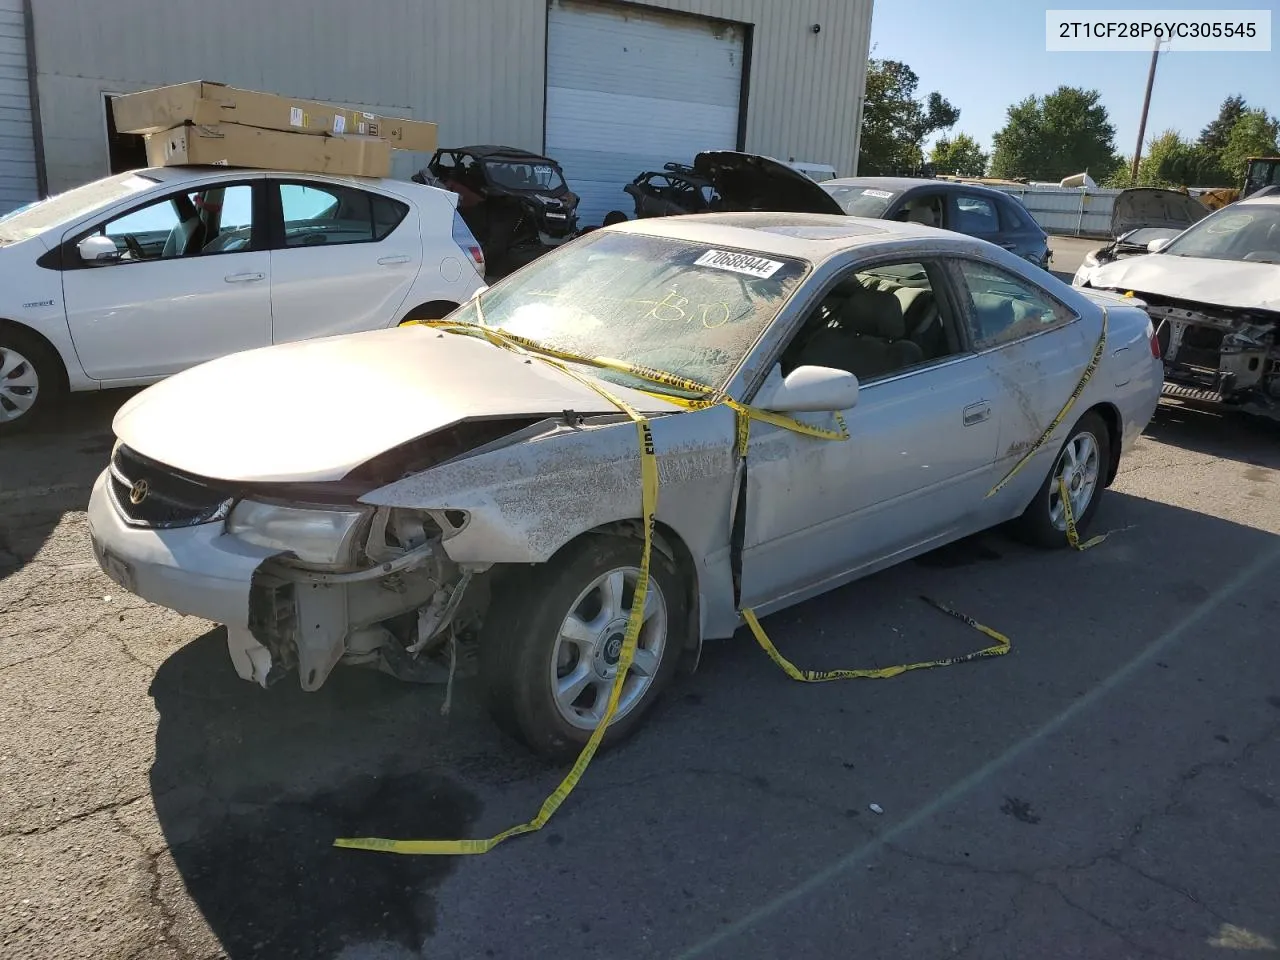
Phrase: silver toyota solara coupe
(381, 497)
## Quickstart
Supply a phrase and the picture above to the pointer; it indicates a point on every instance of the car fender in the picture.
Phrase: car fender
(31, 297)
(526, 501)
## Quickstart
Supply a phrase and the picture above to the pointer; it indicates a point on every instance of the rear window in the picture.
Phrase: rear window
(861, 201)
(1012, 217)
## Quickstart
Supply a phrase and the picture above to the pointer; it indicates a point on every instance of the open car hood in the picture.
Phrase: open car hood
(314, 410)
(1153, 207)
(746, 181)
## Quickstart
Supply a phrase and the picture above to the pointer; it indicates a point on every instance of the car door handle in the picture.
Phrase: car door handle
(390, 261)
(976, 413)
(244, 277)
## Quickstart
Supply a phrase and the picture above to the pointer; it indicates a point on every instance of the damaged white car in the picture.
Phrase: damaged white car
(370, 499)
(1214, 293)
(1143, 220)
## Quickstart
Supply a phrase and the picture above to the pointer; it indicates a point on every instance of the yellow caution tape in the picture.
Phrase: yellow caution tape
(1062, 414)
(704, 397)
(999, 649)
(1073, 535)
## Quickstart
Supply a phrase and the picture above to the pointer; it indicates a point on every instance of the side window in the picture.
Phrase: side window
(876, 322)
(975, 215)
(1004, 307)
(1011, 218)
(325, 214)
(924, 208)
(216, 219)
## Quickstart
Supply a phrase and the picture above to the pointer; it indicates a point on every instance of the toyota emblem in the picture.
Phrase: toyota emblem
(138, 492)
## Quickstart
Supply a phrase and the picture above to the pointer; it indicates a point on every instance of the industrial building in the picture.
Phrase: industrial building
(608, 88)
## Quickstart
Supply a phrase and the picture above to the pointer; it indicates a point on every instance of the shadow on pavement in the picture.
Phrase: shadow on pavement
(251, 786)
(1217, 431)
(50, 470)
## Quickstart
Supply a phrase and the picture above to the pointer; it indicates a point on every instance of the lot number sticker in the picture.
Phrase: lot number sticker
(882, 194)
(739, 263)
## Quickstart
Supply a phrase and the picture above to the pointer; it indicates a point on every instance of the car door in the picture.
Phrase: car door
(974, 215)
(342, 258)
(191, 284)
(921, 449)
(1037, 347)
(1020, 233)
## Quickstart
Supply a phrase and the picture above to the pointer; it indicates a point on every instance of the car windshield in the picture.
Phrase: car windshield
(691, 309)
(859, 201)
(524, 175)
(1237, 232)
(1144, 235)
(65, 207)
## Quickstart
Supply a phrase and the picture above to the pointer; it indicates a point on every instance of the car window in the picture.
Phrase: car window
(326, 214)
(63, 208)
(1011, 218)
(861, 201)
(1237, 232)
(878, 322)
(1004, 307)
(211, 220)
(975, 215)
(524, 175)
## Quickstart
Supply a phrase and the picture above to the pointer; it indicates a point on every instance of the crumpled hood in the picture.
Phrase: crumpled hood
(316, 409)
(1153, 207)
(1226, 283)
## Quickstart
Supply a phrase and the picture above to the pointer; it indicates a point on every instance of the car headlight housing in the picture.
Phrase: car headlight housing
(1091, 258)
(317, 536)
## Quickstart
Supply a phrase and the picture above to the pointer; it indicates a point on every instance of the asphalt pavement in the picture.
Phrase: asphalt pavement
(1109, 789)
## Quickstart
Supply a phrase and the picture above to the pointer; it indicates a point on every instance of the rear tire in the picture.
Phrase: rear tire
(1085, 455)
(31, 379)
(559, 629)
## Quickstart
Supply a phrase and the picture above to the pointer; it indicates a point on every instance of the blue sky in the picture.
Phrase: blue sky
(984, 55)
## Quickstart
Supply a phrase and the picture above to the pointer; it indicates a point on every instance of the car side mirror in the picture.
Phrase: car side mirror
(1155, 246)
(808, 390)
(98, 249)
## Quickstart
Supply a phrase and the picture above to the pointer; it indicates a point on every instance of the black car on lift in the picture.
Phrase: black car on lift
(675, 190)
(515, 202)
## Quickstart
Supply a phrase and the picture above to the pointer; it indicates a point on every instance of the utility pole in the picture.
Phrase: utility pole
(1146, 103)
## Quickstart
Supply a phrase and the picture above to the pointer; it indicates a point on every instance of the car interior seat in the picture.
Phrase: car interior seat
(868, 337)
(922, 215)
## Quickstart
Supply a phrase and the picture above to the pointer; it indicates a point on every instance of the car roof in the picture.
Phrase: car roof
(177, 175)
(902, 184)
(809, 236)
(1271, 200)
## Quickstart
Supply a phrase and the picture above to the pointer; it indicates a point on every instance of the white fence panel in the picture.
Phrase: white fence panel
(1069, 211)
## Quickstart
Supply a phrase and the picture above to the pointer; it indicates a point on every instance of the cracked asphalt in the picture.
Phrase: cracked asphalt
(1110, 789)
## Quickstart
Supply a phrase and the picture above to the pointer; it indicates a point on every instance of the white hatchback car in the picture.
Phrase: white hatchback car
(129, 279)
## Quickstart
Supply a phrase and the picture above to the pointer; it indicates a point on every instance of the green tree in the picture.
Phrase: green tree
(894, 123)
(1214, 136)
(1051, 137)
(1165, 160)
(960, 155)
(1254, 135)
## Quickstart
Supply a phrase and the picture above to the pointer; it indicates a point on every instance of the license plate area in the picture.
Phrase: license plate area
(120, 571)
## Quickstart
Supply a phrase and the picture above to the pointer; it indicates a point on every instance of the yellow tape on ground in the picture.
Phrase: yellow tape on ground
(999, 649)
(1073, 535)
(1062, 414)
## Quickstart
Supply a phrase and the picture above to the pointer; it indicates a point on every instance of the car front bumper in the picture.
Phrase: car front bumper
(198, 570)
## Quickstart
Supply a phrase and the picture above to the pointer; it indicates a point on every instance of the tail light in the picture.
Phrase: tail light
(1153, 340)
(467, 242)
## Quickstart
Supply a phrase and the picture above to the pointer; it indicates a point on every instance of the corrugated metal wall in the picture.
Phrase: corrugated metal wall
(1067, 211)
(476, 67)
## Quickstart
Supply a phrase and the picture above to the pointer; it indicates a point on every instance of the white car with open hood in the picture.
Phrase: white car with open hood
(132, 278)
(480, 491)
(1214, 293)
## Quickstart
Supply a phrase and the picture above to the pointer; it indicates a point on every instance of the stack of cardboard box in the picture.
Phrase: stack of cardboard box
(202, 123)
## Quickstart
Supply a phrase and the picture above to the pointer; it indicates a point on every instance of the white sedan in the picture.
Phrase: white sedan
(132, 278)
(486, 492)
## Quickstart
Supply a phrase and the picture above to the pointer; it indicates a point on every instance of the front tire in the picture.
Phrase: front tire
(1082, 462)
(549, 654)
(30, 379)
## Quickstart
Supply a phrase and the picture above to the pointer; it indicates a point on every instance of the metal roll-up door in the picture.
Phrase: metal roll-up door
(629, 89)
(18, 183)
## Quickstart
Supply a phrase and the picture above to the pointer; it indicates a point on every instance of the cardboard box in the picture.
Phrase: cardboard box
(202, 102)
(234, 145)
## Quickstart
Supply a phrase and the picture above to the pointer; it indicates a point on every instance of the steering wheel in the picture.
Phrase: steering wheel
(135, 248)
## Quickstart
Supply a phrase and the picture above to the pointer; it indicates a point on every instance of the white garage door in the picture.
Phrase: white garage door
(17, 138)
(629, 89)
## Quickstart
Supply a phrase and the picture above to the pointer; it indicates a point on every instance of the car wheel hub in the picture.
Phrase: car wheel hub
(19, 384)
(1078, 468)
(585, 660)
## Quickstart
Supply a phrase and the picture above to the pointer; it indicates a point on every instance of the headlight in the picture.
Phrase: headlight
(1091, 258)
(317, 536)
